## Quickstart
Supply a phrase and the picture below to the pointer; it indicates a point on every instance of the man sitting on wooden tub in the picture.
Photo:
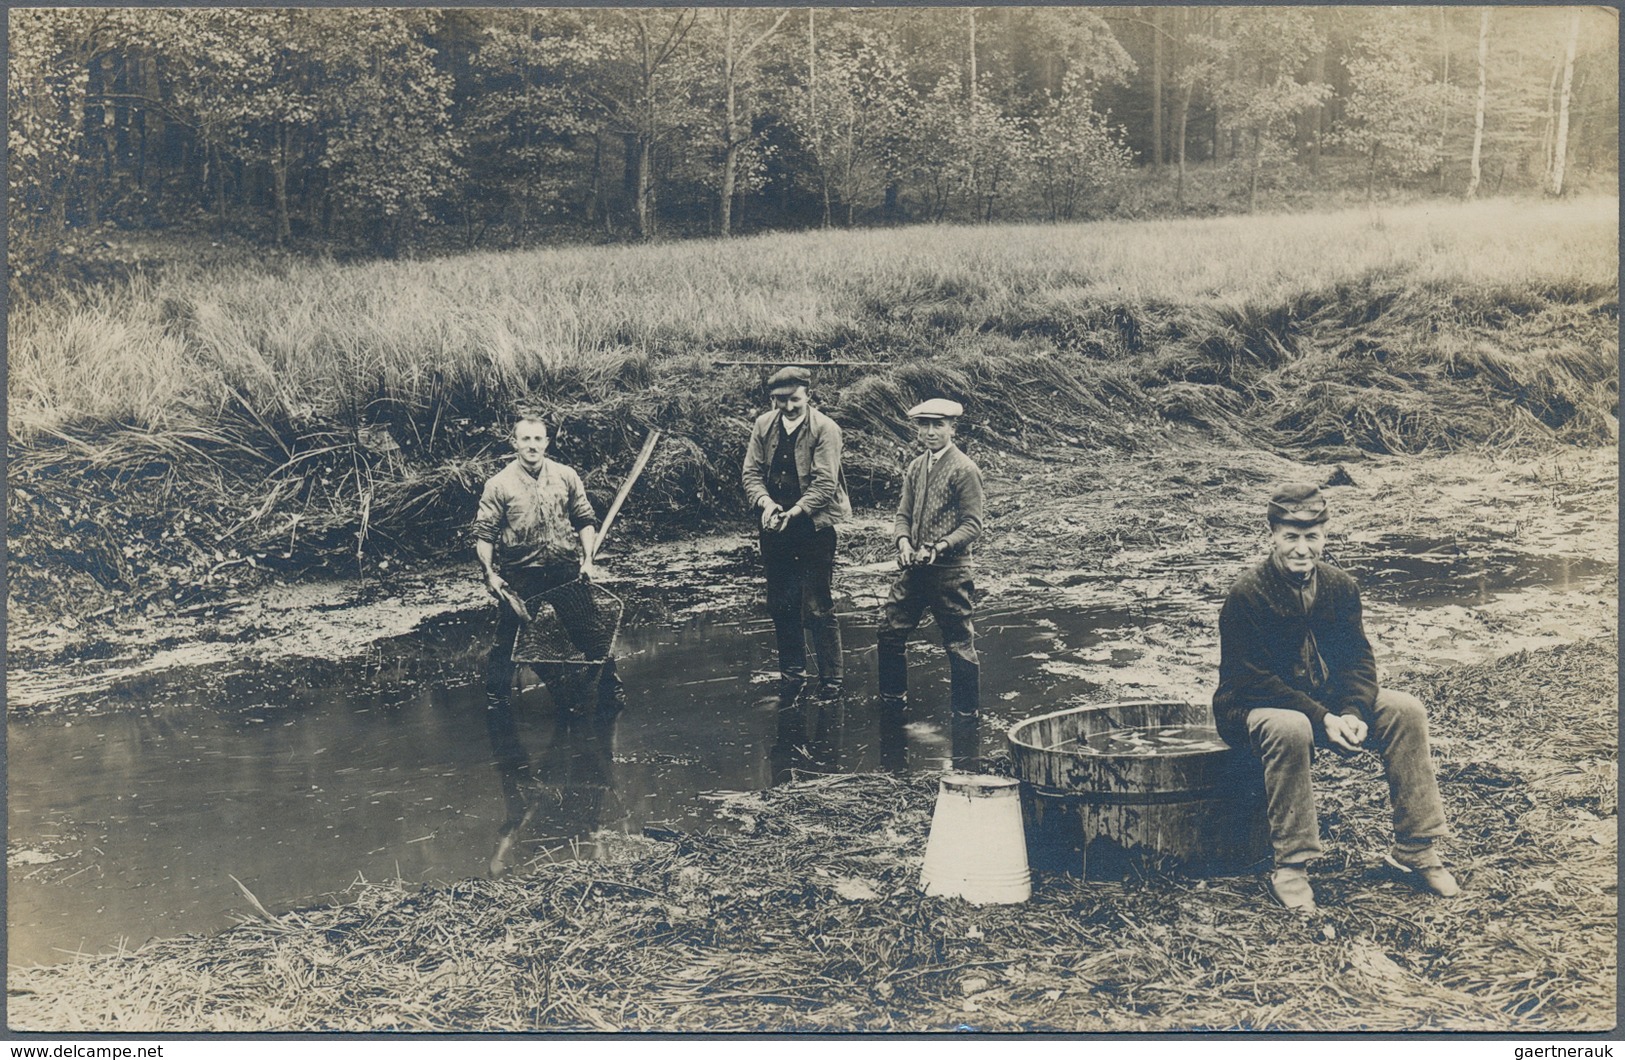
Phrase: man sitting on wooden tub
(1296, 669)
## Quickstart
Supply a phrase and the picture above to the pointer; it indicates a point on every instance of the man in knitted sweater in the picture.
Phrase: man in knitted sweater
(938, 520)
(792, 477)
(1296, 670)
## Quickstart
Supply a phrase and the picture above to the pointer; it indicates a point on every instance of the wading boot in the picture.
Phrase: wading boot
(964, 686)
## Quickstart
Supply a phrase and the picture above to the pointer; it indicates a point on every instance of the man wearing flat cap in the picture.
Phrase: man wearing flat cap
(1296, 670)
(793, 479)
(938, 521)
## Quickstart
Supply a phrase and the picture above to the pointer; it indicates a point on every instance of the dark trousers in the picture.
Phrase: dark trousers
(800, 565)
(570, 683)
(950, 593)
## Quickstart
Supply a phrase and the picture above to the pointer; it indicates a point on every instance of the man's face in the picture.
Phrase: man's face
(791, 403)
(1295, 548)
(530, 442)
(934, 434)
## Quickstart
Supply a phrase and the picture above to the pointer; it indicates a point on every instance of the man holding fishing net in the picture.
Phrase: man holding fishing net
(535, 530)
(792, 477)
(1296, 670)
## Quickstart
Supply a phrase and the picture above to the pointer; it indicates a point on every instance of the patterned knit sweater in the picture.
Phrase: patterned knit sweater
(942, 503)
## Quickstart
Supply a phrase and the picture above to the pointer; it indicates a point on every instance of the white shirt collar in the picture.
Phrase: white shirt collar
(790, 425)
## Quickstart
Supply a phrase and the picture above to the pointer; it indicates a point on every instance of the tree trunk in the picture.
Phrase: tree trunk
(730, 117)
(725, 198)
(1560, 150)
(219, 187)
(1444, 111)
(644, 184)
(1478, 113)
(1317, 113)
(1156, 88)
(1549, 128)
(1184, 122)
(1252, 179)
(1371, 174)
(279, 183)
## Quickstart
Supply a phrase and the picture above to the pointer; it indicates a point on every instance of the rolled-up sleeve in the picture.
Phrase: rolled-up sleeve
(576, 502)
(491, 514)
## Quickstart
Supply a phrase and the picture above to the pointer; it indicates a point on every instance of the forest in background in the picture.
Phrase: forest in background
(362, 132)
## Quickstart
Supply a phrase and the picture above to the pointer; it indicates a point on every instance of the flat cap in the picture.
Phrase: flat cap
(936, 409)
(1300, 503)
(787, 379)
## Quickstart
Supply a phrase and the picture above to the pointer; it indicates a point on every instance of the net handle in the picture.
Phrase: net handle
(626, 487)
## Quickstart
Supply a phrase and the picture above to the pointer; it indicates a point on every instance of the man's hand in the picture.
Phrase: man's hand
(770, 515)
(495, 584)
(1345, 731)
(905, 553)
(589, 570)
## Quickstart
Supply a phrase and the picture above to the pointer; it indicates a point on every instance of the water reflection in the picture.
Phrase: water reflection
(560, 796)
(808, 736)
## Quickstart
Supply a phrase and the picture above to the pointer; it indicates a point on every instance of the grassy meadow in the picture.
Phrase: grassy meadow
(346, 413)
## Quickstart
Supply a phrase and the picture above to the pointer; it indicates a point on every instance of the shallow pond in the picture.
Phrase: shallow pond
(302, 779)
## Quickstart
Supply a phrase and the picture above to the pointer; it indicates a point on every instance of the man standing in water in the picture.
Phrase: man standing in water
(792, 478)
(1296, 670)
(535, 530)
(938, 520)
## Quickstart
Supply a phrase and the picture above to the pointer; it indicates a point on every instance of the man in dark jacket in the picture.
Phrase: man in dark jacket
(938, 521)
(792, 478)
(1296, 669)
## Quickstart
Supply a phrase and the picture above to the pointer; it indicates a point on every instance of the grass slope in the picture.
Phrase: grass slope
(198, 424)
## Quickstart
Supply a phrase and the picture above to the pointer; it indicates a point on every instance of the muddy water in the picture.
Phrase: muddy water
(299, 781)
(309, 788)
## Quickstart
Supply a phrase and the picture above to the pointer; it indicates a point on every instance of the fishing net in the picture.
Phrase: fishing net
(571, 623)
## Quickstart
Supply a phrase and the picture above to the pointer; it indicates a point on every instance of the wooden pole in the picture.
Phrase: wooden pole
(626, 487)
(799, 364)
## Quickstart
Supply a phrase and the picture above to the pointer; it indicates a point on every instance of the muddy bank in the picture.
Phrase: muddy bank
(808, 917)
(1082, 525)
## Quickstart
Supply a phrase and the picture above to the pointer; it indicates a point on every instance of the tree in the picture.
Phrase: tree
(742, 33)
(1392, 108)
(1075, 151)
(1254, 58)
(849, 114)
(1560, 150)
(646, 87)
(528, 109)
(1478, 111)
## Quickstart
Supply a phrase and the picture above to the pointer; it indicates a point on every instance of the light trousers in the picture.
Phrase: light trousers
(1283, 740)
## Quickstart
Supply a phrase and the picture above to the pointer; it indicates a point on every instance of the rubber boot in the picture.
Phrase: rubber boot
(965, 685)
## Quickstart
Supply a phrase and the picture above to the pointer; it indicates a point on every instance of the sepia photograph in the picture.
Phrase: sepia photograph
(765, 521)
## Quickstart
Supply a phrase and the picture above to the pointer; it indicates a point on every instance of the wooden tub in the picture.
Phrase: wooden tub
(1139, 784)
